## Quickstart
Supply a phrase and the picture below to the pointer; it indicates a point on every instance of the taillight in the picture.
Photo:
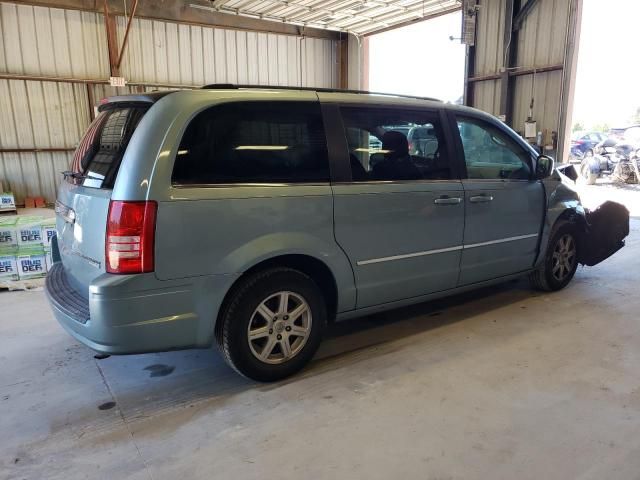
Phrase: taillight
(130, 237)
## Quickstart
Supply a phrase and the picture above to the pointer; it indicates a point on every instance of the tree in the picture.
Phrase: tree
(600, 127)
(577, 127)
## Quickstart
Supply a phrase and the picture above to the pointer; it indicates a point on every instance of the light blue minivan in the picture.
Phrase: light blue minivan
(252, 217)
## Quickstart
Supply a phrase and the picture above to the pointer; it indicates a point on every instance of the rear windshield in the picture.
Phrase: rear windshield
(98, 156)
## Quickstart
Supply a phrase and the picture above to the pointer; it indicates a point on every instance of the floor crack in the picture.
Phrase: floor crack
(124, 420)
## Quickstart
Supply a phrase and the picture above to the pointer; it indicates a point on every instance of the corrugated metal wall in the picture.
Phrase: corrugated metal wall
(61, 43)
(541, 43)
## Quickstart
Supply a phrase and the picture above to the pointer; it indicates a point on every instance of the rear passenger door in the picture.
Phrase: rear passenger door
(504, 204)
(399, 217)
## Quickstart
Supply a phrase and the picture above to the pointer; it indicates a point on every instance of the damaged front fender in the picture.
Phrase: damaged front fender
(601, 232)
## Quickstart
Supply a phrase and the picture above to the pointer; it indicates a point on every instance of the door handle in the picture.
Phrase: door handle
(447, 201)
(481, 199)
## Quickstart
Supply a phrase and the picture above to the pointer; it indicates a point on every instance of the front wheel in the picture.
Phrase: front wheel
(272, 324)
(586, 175)
(561, 260)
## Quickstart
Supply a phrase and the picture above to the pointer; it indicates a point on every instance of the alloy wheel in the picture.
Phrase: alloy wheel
(279, 327)
(564, 257)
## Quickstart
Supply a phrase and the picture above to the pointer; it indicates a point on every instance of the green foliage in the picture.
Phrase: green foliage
(577, 127)
(601, 127)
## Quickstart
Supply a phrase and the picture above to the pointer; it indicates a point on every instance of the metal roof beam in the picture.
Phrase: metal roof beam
(523, 13)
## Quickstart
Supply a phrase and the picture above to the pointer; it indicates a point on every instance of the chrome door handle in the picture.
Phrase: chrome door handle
(481, 199)
(447, 201)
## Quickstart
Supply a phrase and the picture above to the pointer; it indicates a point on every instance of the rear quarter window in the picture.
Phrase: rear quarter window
(253, 142)
(97, 159)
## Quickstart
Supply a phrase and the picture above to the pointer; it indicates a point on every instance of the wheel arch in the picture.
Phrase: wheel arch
(315, 268)
(566, 213)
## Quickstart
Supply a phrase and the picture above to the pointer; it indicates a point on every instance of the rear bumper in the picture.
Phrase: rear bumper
(127, 314)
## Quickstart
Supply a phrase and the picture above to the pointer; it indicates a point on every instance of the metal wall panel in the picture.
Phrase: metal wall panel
(487, 96)
(489, 37)
(541, 43)
(169, 53)
(542, 36)
(39, 115)
(62, 43)
(52, 42)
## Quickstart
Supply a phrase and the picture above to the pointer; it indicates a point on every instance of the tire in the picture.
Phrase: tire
(546, 277)
(262, 295)
(586, 176)
(588, 153)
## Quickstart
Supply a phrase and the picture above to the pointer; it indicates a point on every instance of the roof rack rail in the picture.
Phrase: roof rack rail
(231, 86)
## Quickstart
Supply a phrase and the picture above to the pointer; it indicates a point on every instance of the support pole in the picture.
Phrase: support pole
(112, 41)
(126, 33)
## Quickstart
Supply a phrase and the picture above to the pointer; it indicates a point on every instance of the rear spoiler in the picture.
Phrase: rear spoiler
(149, 98)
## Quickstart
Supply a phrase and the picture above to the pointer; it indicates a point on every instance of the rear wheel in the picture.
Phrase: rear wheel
(561, 260)
(272, 324)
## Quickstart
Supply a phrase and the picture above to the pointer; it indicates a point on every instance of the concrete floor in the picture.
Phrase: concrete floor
(500, 383)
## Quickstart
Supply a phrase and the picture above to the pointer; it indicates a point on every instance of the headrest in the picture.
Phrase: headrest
(396, 143)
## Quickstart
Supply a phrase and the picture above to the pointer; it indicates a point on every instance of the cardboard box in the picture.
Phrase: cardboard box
(8, 264)
(48, 258)
(29, 231)
(7, 201)
(48, 231)
(32, 263)
(8, 232)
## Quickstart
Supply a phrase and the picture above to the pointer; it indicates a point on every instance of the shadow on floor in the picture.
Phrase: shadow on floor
(200, 378)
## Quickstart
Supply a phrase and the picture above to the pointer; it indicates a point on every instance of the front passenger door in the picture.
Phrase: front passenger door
(504, 205)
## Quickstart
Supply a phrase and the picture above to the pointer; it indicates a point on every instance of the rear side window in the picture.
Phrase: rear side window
(393, 144)
(97, 159)
(253, 142)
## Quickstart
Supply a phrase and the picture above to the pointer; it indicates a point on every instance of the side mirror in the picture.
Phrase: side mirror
(544, 167)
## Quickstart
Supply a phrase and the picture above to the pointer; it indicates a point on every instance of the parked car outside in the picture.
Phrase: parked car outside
(251, 218)
(583, 143)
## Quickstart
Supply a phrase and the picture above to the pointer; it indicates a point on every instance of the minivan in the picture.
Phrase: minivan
(252, 217)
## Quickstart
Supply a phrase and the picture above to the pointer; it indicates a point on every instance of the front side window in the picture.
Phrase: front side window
(395, 144)
(489, 153)
(253, 142)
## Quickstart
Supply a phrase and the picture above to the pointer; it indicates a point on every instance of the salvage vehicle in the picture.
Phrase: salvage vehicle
(615, 158)
(251, 217)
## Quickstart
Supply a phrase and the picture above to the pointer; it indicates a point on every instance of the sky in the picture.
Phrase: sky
(608, 79)
(419, 59)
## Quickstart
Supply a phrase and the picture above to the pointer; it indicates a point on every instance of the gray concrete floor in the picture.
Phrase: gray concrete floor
(501, 383)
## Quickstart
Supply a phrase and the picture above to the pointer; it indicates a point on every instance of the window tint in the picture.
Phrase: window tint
(394, 144)
(254, 142)
(490, 153)
(98, 156)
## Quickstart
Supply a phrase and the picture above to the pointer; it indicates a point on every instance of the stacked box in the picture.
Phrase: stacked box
(32, 262)
(8, 264)
(29, 231)
(7, 201)
(48, 231)
(8, 232)
(25, 247)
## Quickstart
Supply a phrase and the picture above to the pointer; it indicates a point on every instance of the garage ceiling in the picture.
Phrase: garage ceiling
(360, 17)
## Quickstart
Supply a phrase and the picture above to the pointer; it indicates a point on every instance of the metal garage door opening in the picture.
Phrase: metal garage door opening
(424, 59)
(607, 96)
